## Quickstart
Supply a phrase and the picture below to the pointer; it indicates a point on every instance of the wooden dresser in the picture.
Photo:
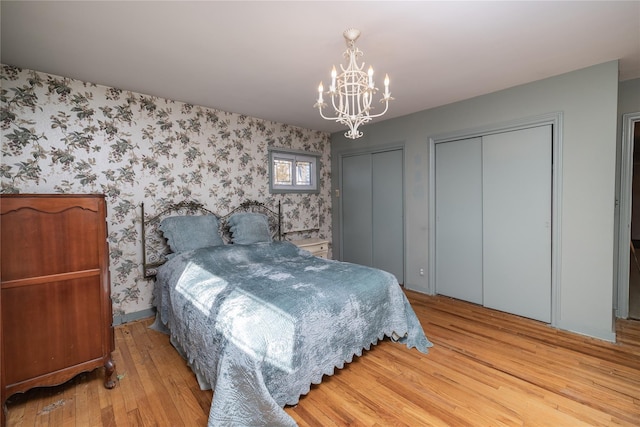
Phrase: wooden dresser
(55, 299)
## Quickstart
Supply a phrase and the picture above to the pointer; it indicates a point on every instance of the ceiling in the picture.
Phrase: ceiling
(265, 58)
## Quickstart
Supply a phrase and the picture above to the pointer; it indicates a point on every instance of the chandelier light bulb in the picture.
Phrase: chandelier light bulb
(352, 91)
(386, 86)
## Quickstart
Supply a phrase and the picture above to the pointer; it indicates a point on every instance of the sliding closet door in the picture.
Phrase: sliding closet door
(357, 215)
(517, 222)
(372, 210)
(458, 263)
(388, 212)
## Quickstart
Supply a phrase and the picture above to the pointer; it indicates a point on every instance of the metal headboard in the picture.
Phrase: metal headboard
(274, 218)
(151, 233)
(159, 249)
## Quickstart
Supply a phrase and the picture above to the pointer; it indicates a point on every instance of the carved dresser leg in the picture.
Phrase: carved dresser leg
(109, 369)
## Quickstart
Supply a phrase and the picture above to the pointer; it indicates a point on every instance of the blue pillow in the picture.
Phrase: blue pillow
(185, 233)
(249, 227)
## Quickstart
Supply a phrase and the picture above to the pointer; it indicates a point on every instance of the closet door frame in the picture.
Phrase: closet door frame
(623, 217)
(554, 119)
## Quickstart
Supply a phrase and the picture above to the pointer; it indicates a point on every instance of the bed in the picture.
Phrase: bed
(258, 319)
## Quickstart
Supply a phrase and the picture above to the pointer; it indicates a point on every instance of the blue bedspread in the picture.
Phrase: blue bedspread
(260, 323)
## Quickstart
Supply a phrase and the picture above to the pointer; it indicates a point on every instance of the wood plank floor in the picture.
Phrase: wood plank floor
(487, 368)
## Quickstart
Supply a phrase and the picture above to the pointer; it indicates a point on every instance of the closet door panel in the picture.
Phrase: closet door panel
(517, 222)
(459, 219)
(388, 212)
(357, 216)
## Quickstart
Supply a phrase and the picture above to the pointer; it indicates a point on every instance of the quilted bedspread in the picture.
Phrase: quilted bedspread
(260, 323)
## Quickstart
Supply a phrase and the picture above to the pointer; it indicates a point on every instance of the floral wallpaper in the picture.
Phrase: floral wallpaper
(61, 135)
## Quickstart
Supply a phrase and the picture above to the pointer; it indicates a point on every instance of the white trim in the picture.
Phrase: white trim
(556, 120)
(624, 223)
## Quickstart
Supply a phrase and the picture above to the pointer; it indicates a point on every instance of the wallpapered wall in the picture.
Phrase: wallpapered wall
(61, 135)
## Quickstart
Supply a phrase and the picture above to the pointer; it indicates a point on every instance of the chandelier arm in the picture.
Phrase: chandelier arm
(386, 107)
(325, 117)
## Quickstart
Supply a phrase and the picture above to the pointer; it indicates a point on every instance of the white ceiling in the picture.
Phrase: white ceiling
(266, 58)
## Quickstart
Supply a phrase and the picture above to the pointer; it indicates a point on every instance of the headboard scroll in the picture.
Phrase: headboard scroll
(154, 246)
(155, 249)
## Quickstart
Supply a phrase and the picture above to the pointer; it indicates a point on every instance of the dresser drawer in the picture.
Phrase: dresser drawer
(318, 247)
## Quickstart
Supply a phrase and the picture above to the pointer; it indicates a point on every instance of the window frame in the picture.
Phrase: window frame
(293, 156)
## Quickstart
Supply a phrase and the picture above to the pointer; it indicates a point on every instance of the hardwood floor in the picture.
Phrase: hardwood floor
(486, 368)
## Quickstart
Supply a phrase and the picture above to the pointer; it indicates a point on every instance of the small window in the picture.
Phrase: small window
(293, 171)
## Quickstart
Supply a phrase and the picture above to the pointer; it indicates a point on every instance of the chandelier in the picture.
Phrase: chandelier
(352, 91)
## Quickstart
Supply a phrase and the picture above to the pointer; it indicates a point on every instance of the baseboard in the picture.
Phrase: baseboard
(131, 317)
(606, 335)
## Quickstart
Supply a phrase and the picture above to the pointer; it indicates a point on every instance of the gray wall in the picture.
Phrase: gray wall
(588, 99)
(628, 97)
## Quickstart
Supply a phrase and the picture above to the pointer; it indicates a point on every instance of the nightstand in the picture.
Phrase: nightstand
(317, 247)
